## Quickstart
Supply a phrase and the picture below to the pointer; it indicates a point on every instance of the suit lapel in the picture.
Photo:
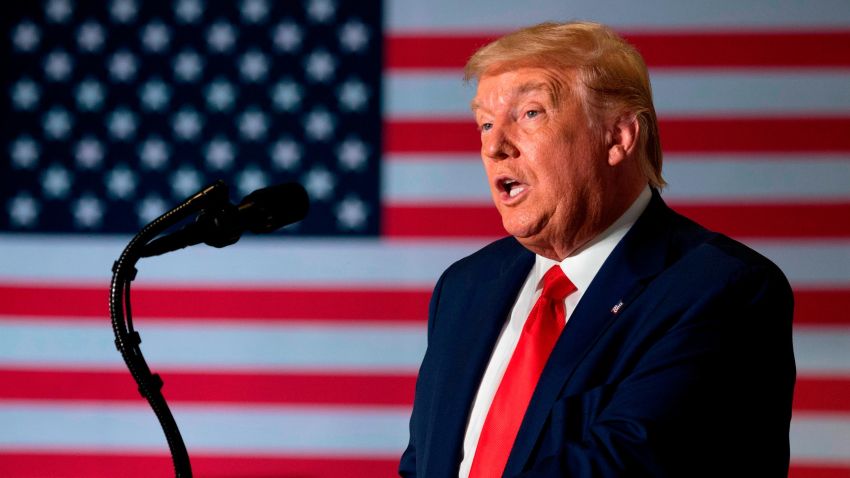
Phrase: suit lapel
(636, 259)
(485, 307)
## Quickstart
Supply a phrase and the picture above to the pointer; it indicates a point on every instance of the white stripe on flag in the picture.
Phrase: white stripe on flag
(290, 346)
(822, 350)
(485, 15)
(233, 346)
(254, 260)
(676, 92)
(821, 437)
(329, 431)
(434, 179)
(352, 263)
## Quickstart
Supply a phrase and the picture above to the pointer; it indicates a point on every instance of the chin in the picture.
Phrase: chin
(520, 229)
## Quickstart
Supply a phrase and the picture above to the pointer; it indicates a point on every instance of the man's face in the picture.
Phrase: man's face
(547, 167)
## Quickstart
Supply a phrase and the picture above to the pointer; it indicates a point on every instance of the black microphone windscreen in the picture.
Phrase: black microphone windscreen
(271, 208)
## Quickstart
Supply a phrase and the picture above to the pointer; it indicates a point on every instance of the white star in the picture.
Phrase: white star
(319, 125)
(156, 36)
(57, 66)
(88, 211)
(250, 179)
(254, 11)
(57, 123)
(188, 11)
(185, 182)
(321, 11)
(89, 95)
(23, 210)
(58, 11)
(187, 124)
(352, 154)
(253, 66)
(121, 182)
(122, 124)
(154, 153)
(286, 95)
(24, 152)
(287, 36)
(353, 95)
(123, 11)
(320, 66)
(220, 95)
(319, 183)
(188, 66)
(155, 95)
(90, 36)
(122, 66)
(253, 124)
(26, 36)
(221, 36)
(220, 154)
(89, 153)
(56, 182)
(286, 154)
(25, 94)
(351, 213)
(150, 208)
(353, 36)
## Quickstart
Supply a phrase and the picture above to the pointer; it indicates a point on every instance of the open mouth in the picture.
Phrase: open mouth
(511, 187)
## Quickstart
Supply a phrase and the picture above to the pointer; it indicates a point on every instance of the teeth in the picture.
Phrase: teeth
(515, 191)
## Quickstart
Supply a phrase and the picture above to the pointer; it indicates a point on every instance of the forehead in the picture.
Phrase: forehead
(508, 85)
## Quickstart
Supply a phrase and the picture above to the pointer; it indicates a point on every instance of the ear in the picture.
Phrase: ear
(622, 139)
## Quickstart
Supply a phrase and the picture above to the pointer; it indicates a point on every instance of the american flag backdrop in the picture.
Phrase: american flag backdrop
(295, 354)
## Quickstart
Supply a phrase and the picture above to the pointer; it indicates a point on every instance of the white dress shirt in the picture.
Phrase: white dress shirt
(580, 268)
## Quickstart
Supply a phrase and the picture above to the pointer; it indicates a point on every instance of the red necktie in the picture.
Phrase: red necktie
(541, 331)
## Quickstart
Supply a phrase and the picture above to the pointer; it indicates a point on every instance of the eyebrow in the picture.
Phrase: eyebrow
(524, 89)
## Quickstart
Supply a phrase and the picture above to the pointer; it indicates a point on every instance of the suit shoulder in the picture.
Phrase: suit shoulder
(722, 254)
(489, 259)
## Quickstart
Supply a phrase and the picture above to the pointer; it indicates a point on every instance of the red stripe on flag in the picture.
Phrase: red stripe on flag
(678, 135)
(664, 49)
(289, 388)
(812, 306)
(822, 394)
(816, 49)
(811, 394)
(818, 471)
(442, 221)
(220, 303)
(814, 221)
(822, 307)
(74, 464)
(737, 220)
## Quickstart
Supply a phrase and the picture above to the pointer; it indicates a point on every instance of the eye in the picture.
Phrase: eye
(486, 126)
(532, 113)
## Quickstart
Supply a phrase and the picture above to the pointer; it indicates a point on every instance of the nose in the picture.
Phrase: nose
(497, 145)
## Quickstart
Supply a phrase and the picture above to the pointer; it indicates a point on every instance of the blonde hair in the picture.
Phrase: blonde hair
(611, 73)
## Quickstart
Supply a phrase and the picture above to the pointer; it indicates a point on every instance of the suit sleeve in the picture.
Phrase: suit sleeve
(407, 466)
(709, 396)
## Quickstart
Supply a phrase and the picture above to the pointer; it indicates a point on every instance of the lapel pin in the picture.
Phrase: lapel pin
(616, 308)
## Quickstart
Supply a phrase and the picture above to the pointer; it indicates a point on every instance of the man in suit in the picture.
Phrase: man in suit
(610, 336)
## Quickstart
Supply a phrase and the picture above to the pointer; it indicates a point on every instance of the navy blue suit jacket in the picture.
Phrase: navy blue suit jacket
(677, 362)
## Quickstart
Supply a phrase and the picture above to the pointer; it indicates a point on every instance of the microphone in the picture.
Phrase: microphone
(222, 224)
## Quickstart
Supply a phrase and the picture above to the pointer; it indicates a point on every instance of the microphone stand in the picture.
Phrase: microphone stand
(127, 340)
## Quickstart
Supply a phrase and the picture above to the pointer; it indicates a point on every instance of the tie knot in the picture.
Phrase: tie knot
(556, 285)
